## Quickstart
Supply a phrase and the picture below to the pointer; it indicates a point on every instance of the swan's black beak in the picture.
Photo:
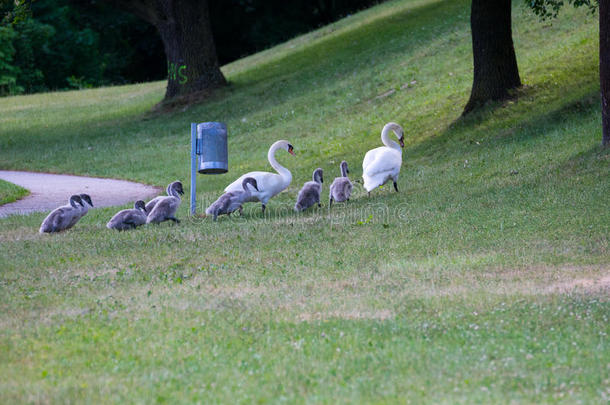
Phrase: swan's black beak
(401, 140)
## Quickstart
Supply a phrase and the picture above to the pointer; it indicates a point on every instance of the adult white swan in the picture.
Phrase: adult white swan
(269, 184)
(383, 163)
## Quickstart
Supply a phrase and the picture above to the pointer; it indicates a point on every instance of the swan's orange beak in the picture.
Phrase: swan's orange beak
(291, 151)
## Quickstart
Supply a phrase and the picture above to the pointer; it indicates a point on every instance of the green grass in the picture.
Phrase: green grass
(485, 279)
(10, 192)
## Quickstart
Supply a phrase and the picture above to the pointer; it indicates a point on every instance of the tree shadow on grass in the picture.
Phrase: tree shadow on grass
(416, 26)
(275, 82)
(495, 125)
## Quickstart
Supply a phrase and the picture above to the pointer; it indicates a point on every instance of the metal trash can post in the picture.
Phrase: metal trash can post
(209, 152)
(193, 167)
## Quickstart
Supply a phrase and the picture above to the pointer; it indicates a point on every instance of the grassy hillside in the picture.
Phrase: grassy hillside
(486, 279)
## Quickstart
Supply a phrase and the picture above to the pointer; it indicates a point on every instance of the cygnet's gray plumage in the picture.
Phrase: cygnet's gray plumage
(83, 209)
(310, 193)
(130, 218)
(151, 204)
(165, 207)
(61, 217)
(341, 187)
(233, 200)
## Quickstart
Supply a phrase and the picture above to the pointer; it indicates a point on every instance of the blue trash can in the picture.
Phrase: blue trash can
(213, 156)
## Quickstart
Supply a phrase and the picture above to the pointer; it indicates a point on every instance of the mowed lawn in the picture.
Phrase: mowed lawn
(10, 192)
(486, 279)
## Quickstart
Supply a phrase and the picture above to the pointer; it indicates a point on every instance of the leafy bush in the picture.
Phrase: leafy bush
(8, 72)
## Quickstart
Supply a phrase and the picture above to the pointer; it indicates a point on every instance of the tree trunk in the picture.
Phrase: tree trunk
(604, 67)
(189, 47)
(186, 32)
(495, 63)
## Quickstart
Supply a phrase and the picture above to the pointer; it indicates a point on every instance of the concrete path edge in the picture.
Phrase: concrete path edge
(49, 191)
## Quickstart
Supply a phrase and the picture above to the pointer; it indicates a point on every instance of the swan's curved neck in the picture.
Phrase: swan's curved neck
(173, 193)
(282, 171)
(385, 138)
(171, 190)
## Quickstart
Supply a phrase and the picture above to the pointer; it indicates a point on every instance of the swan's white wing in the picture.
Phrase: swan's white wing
(385, 160)
(371, 156)
(384, 164)
(269, 184)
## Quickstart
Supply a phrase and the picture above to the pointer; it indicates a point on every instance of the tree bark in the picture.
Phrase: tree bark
(604, 67)
(495, 63)
(185, 29)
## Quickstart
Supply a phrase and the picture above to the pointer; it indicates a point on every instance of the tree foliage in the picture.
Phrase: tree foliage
(548, 9)
(61, 44)
(8, 72)
(57, 44)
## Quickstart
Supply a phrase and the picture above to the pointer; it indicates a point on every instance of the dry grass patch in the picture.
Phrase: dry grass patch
(587, 285)
(353, 314)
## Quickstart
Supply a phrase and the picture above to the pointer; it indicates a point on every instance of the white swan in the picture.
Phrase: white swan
(383, 163)
(269, 184)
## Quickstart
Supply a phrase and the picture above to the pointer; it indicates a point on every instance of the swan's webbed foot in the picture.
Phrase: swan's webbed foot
(330, 203)
(264, 206)
(396, 187)
(176, 220)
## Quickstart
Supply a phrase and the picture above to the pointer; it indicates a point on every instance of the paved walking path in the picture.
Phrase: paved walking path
(48, 191)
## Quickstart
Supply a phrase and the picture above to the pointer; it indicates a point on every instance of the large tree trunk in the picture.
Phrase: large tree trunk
(189, 46)
(185, 29)
(604, 67)
(495, 63)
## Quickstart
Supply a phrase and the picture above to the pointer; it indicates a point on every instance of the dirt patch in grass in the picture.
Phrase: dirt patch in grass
(359, 296)
(590, 285)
